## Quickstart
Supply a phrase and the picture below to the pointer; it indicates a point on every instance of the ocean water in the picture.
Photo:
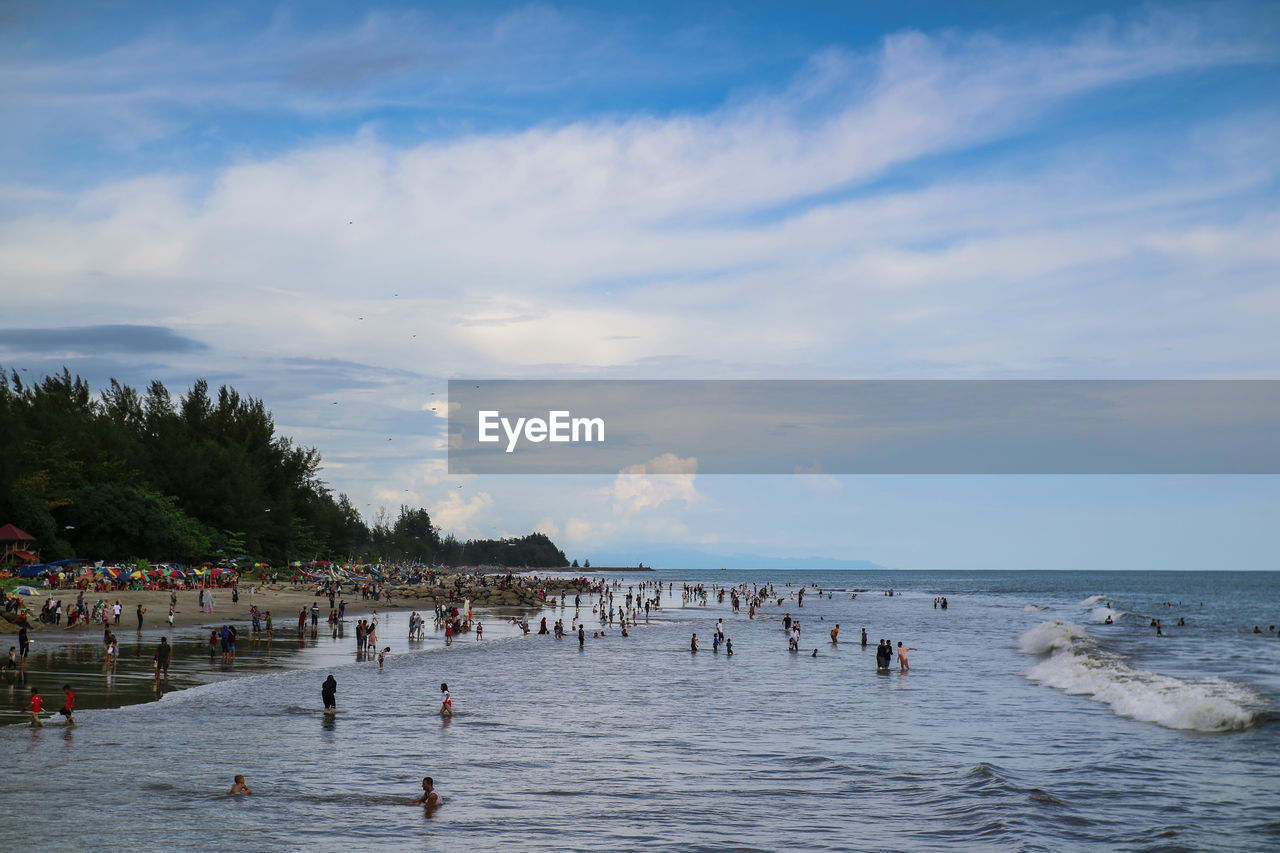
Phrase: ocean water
(1025, 723)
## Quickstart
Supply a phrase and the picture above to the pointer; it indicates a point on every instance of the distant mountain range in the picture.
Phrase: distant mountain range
(689, 558)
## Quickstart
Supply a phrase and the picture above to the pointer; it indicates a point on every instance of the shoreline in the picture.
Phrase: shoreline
(75, 656)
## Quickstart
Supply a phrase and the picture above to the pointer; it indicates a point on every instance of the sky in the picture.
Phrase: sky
(337, 207)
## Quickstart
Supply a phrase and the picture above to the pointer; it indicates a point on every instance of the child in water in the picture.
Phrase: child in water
(239, 787)
(446, 704)
(382, 656)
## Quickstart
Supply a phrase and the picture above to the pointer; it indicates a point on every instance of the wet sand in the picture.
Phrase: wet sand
(75, 656)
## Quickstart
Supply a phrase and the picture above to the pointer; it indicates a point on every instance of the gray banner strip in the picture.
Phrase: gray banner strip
(864, 426)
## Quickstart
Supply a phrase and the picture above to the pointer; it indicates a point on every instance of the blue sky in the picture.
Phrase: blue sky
(339, 206)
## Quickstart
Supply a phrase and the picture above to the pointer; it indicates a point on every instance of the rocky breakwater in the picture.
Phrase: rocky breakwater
(491, 592)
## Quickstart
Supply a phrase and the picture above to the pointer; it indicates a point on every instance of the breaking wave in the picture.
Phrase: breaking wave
(1034, 607)
(1092, 600)
(1100, 614)
(1074, 663)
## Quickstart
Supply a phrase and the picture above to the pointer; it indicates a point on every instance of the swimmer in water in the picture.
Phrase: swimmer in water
(903, 664)
(430, 796)
(239, 787)
(815, 654)
(446, 703)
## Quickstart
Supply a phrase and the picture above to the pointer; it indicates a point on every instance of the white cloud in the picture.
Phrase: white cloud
(647, 485)
(460, 516)
(813, 479)
(579, 530)
(497, 251)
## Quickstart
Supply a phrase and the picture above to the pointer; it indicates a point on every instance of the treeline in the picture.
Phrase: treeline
(124, 474)
(413, 538)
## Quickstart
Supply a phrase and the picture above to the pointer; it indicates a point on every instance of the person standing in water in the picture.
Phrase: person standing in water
(446, 703)
(582, 636)
(329, 693)
(864, 638)
(68, 707)
(238, 786)
(835, 634)
(903, 664)
(163, 653)
(693, 644)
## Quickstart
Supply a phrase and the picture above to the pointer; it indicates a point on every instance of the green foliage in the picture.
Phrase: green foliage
(413, 538)
(129, 475)
(114, 521)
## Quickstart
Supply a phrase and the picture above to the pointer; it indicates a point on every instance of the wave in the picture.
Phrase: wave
(1100, 614)
(1092, 600)
(1049, 637)
(1074, 663)
(1034, 607)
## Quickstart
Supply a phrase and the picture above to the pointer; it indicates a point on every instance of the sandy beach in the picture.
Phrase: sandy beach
(283, 602)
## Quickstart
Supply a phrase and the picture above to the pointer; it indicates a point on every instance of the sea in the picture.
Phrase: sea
(1025, 723)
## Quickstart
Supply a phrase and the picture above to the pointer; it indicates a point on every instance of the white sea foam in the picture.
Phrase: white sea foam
(1034, 607)
(1075, 664)
(1100, 614)
(1049, 637)
(1092, 600)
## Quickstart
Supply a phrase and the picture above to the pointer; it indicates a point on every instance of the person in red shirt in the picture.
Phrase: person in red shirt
(37, 705)
(69, 706)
